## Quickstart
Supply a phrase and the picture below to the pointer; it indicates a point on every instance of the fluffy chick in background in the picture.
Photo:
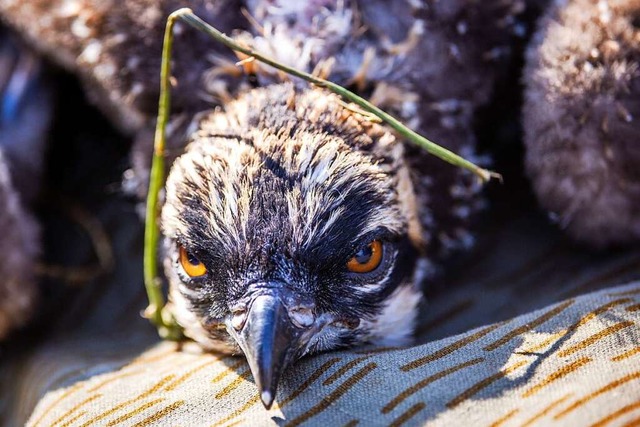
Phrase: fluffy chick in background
(582, 118)
(24, 119)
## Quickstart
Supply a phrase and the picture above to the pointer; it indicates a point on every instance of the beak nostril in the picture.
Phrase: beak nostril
(302, 317)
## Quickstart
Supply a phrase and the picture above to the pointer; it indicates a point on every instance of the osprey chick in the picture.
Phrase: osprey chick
(291, 228)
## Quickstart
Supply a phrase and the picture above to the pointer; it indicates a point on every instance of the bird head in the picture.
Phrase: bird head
(290, 228)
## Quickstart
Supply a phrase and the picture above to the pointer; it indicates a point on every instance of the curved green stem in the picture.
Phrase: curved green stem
(485, 175)
(155, 312)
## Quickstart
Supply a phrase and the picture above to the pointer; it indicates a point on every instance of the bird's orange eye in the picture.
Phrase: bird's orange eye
(191, 265)
(366, 259)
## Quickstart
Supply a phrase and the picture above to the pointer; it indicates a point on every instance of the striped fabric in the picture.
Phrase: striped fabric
(576, 362)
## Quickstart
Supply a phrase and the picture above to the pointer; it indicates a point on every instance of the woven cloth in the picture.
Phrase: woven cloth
(576, 362)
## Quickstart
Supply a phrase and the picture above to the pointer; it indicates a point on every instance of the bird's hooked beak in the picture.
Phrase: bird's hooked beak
(272, 334)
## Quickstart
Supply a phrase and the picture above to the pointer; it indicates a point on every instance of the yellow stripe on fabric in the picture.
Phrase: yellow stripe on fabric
(626, 354)
(73, 419)
(344, 369)
(445, 351)
(228, 370)
(617, 414)
(545, 343)
(134, 412)
(75, 408)
(171, 386)
(633, 308)
(154, 418)
(500, 421)
(598, 311)
(334, 395)
(635, 291)
(158, 386)
(237, 382)
(312, 378)
(545, 317)
(238, 411)
(481, 385)
(235, 423)
(546, 410)
(562, 372)
(425, 382)
(408, 414)
(595, 338)
(611, 386)
(633, 423)
(53, 404)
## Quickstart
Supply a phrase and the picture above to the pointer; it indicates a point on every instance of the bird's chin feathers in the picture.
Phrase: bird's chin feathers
(214, 340)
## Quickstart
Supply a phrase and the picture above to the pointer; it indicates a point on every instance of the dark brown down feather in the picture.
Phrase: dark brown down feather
(19, 247)
(582, 118)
